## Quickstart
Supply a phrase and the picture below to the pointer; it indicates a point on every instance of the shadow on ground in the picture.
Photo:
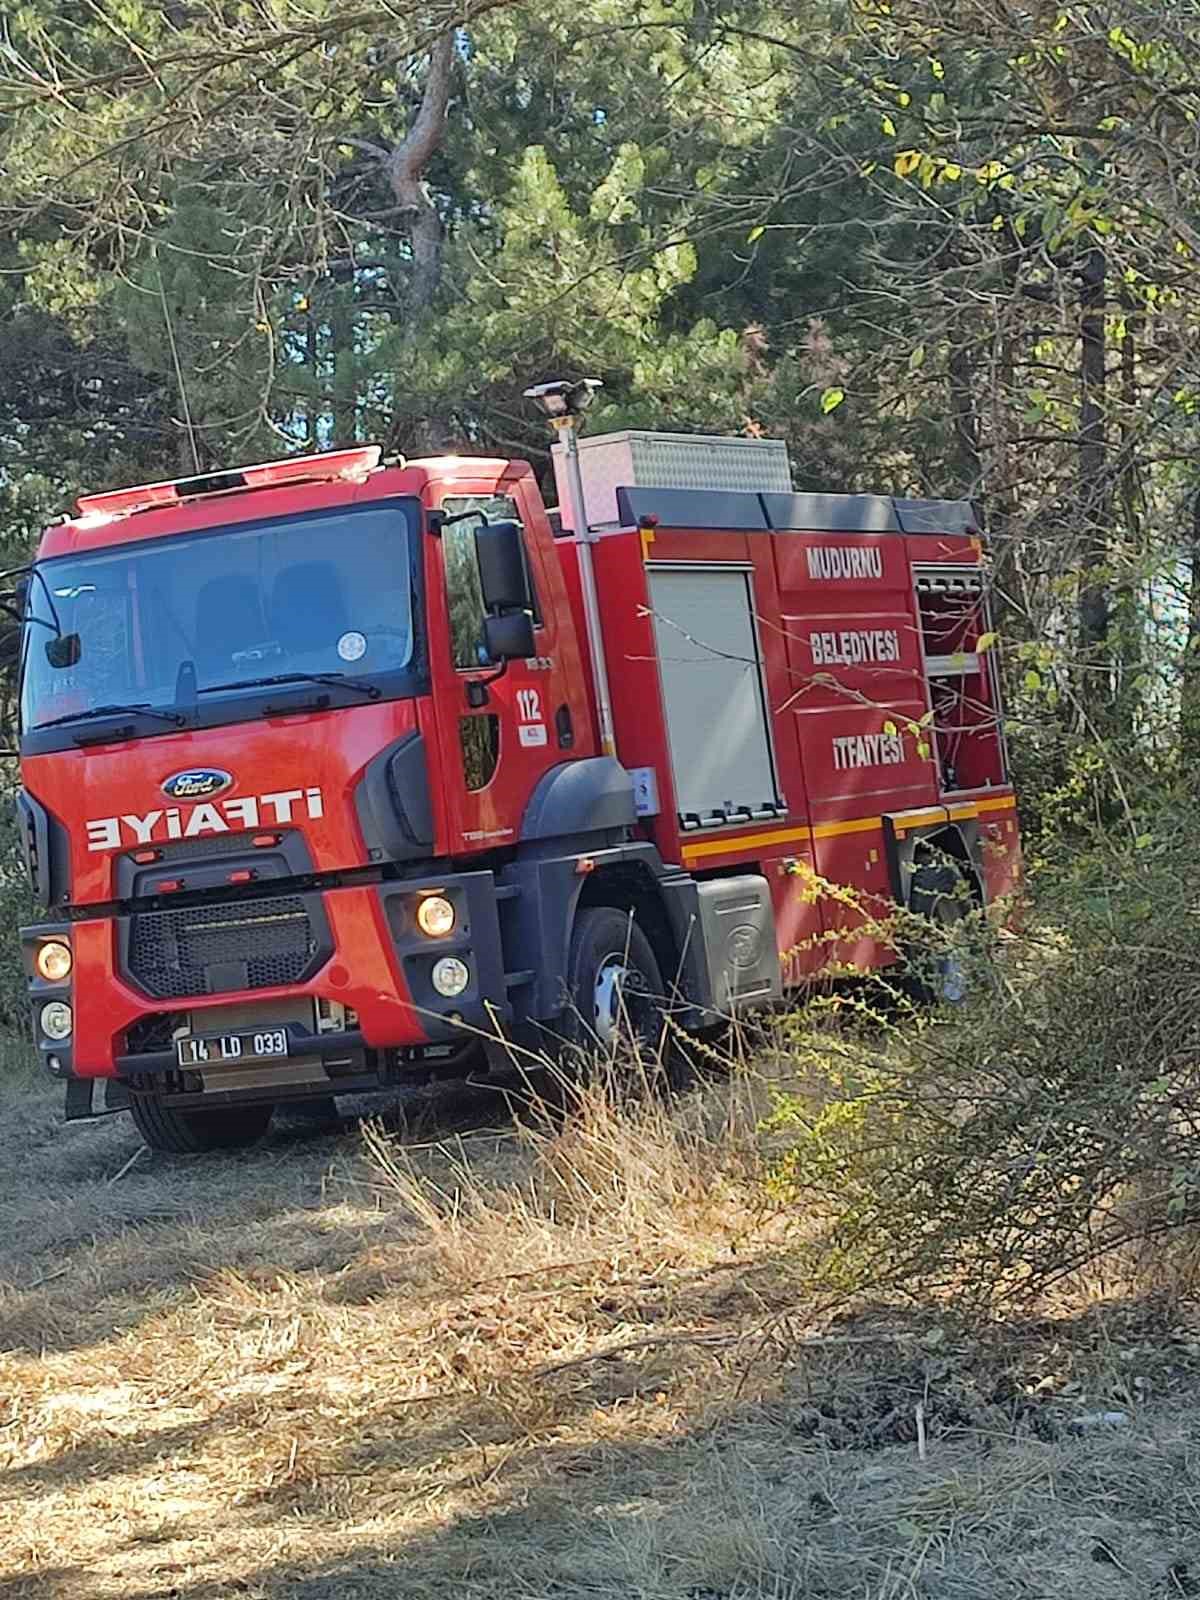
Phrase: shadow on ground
(97, 1230)
(258, 1376)
(815, 1488)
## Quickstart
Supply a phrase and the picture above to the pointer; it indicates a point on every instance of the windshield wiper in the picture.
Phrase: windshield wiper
(337, 680)
(139, 710)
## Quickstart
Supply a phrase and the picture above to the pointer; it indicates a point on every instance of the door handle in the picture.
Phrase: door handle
(564, 727)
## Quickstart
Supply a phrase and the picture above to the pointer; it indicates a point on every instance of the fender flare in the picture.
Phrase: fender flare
(580, 799)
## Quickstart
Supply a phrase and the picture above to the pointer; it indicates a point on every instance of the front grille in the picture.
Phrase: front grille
(248, 944)
(188, 850)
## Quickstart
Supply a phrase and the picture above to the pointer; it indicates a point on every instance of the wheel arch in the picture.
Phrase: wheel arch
(908, 849)
(554, 886)
(631, 887)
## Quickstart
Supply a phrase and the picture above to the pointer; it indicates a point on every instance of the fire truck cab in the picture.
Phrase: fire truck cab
(337, 772)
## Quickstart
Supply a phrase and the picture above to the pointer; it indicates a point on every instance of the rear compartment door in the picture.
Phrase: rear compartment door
(714, 696)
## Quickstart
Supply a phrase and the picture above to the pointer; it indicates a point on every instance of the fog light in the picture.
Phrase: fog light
(56, 1065)
(450, 976)
(435, 916)
(53, 960)
(56, 1020)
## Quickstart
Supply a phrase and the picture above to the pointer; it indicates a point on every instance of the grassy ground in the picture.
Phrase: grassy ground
(468, 1356)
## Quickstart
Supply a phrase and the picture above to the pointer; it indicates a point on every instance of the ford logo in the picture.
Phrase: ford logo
(197, 783)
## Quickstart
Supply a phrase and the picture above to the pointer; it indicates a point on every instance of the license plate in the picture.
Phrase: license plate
(214, 1049)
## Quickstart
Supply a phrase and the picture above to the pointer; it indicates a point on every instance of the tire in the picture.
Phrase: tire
(941, 895)
(615, 984)
(938, 893)
(192, 1132)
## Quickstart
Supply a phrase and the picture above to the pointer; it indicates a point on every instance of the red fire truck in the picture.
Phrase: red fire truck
(338, 772)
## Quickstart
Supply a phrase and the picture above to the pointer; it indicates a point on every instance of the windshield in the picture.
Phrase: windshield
(325, 593)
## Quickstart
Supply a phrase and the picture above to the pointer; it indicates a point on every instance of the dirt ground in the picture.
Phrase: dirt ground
(446, 1359)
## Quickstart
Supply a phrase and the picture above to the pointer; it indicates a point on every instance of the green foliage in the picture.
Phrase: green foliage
(1048, 1127)
(16, 910)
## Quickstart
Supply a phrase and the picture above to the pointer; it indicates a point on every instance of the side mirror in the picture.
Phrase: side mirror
(502, 572)
(510, 637)
(64, 650)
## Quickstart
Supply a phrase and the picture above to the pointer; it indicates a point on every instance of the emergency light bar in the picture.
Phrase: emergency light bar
(321, 468)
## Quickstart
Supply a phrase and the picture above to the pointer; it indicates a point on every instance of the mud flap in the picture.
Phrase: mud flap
(116, 1095)
(81, 1098)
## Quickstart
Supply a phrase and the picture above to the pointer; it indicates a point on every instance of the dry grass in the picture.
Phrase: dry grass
(466, 1355)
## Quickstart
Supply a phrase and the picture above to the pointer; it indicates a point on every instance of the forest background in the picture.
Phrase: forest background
(945, 248)
(941, 249)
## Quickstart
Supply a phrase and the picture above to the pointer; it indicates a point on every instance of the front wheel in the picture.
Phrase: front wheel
(195, 1131)
(615, 984)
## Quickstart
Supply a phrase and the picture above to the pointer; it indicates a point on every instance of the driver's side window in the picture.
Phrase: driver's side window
(464, 596)
(464, 591)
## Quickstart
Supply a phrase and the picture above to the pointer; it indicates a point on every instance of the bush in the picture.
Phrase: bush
(16, 909)
(1048, 1125)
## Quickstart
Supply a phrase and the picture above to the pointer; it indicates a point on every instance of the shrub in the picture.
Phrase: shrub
(1048, 1125)
(16, 909)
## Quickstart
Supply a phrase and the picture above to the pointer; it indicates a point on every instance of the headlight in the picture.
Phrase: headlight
(56, 1020)
(53, 960)
(451, 976)
(435, 916)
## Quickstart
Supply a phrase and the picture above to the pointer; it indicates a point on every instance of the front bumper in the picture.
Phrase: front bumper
(375, 963)
(347, 1045)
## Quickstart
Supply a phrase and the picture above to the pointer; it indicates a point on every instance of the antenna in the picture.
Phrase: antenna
(187, 410)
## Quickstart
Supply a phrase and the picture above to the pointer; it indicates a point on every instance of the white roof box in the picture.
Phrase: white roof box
(637, 459)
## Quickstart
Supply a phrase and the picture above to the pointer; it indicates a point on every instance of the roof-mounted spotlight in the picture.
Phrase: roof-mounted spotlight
(563, 399)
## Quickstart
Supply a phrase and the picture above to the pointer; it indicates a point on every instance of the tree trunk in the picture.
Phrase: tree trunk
(405, 168)
(1189, 694)
(1127, 635)
(1001, 507)
(966, 421)
(1094, 491)
(406, 172)
(1131, 487)
(312, 356)
(344, 384)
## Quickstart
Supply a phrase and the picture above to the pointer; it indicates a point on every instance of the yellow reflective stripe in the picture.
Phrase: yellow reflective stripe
(906, 821)
(902, 821)
(751, 841)
(832, 830)
(745, 841)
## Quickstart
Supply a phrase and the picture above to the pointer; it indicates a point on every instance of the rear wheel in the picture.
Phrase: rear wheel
(940, 967)
(193, 1131)
(615, 984)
